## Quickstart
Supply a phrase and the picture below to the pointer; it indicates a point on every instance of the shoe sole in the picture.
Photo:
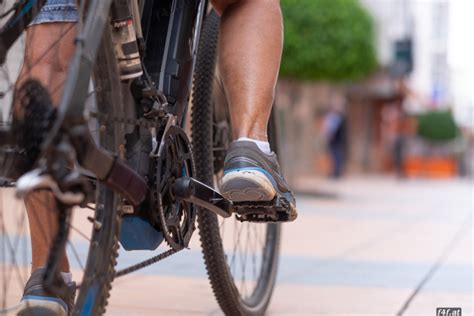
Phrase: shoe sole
(37, 307)
(247, 185)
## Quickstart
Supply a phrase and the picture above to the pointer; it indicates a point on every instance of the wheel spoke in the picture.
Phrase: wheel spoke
(12, 259)
(236, 242)
(76, 254)
(79, 232)
(254, 252)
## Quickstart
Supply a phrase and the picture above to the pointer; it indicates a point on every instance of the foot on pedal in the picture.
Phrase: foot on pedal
(276, 210)
(253, 182)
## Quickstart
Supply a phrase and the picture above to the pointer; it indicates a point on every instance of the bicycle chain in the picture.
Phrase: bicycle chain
(146, 263)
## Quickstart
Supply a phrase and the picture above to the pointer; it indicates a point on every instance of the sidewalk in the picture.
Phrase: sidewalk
(369, 246)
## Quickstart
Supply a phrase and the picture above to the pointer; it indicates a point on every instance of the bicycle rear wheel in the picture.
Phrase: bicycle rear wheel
(241, 258)
(93, 240)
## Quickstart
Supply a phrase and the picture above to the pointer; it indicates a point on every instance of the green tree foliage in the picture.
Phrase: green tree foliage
(437, 126)
(327, 40)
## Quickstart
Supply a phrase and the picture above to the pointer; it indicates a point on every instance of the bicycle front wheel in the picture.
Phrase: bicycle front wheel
(93, 240)
(241, 257)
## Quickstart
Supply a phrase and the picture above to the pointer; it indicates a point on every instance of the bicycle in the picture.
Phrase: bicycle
(94, 169)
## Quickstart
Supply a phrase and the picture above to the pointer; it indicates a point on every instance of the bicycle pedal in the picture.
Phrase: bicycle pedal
(276, 210)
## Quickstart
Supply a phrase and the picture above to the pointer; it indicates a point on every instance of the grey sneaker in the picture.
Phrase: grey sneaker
(37, 302)
(253, 181)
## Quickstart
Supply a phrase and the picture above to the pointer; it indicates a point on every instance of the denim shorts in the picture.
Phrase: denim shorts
(57, 11)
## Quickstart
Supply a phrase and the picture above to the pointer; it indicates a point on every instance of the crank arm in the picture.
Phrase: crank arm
(194, 191)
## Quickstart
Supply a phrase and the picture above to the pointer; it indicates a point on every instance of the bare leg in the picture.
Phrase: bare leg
(49, 48)
(250, 47)
(43, 221)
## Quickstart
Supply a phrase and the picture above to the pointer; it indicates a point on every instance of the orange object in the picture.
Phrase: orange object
(431, 167)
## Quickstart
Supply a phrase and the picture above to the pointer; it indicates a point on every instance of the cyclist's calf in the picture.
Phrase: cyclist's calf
(221, 5)
(48, 51)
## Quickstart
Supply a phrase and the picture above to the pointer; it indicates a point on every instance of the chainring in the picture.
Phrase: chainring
(176, 218)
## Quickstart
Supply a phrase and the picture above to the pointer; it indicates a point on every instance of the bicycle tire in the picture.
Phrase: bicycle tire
(224, 284)
(98, 271)
(102, 258)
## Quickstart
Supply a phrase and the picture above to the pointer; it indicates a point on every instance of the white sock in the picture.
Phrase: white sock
(67, 277)
(263, 146)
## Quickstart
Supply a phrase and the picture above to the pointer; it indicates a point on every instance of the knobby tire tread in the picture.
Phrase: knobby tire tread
(218, 272)
(104, 260)
(201, 127)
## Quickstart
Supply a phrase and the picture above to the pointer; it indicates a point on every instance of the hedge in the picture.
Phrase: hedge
(327, 40)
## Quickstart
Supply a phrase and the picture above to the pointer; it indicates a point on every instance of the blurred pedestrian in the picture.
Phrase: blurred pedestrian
(393, 138)
(335, 131)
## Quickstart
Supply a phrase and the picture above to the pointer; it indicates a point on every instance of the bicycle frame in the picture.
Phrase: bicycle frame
(172, 40)
(108, 169)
